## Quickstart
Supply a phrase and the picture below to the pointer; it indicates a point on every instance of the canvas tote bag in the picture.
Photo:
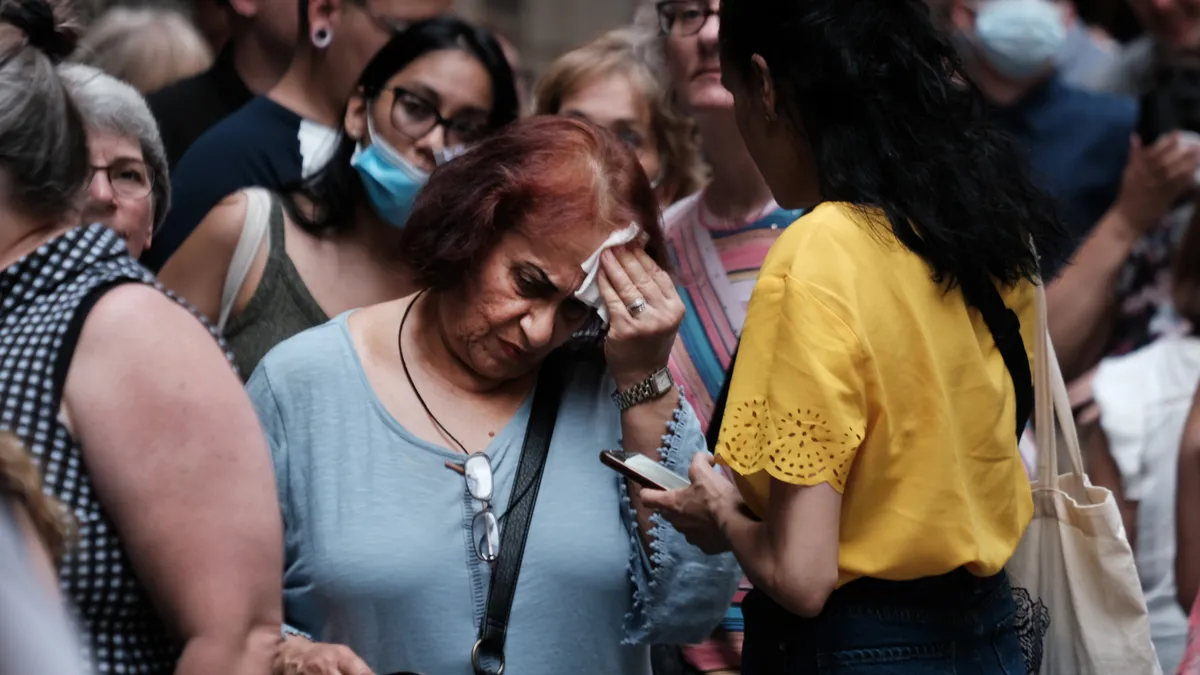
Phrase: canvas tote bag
(1074, 561)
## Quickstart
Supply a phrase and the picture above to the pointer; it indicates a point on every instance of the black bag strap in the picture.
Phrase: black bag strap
(1006, 331)
(487, 657)
(718, 413)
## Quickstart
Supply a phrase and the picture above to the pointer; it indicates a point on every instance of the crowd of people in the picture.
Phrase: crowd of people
(316, 316)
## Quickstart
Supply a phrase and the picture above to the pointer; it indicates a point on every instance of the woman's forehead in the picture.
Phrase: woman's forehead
(568, 245)
(559, 252)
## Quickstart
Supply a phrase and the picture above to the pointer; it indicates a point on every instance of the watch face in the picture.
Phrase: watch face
(662, 381)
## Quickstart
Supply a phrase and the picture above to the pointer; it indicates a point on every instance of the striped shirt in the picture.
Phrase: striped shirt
(717, 264)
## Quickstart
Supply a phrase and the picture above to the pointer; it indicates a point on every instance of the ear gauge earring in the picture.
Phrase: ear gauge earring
(321, 37)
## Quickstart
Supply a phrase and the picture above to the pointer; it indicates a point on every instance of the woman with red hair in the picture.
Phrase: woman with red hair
(545, 311)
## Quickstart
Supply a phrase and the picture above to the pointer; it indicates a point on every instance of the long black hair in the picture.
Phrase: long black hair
(878, 93)
(332, 193)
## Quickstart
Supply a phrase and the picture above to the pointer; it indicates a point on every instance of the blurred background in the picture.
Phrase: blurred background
(544, 29)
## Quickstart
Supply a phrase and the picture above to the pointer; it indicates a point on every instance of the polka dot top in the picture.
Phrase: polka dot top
(44, 298)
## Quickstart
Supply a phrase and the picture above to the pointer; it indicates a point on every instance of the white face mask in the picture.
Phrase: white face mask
(1019, 38)
(444, 155)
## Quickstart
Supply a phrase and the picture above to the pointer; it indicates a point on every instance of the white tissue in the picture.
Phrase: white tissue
(589, 291)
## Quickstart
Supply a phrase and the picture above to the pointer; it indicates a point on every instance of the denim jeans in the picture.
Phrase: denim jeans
(956, 623)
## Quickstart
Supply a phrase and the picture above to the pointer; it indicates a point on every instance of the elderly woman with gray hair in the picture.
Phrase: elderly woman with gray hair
(123, 398)
(129, 190)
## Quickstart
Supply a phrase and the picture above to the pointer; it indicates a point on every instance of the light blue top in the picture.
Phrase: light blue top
(378, 549)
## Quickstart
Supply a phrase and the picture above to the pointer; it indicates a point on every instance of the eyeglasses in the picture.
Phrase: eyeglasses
(415, 117)
(683, 18)
(129, 178)
(485, 527)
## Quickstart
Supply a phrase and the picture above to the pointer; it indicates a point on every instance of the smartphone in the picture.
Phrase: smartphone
(643, 470)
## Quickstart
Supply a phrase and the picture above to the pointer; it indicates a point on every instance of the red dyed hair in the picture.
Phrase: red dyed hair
(539, 173)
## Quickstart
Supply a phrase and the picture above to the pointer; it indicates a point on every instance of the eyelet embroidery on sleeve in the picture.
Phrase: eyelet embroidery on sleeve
(799, 447)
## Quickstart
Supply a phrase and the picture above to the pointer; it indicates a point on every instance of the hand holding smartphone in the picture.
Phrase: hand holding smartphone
(643, 470)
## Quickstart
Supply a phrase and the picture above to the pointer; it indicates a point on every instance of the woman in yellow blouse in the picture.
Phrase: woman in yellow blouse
(872, 416)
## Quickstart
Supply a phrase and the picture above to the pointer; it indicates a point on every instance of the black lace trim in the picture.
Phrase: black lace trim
(1032, 621)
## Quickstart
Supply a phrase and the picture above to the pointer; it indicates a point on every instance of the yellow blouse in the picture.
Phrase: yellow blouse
(857, 370)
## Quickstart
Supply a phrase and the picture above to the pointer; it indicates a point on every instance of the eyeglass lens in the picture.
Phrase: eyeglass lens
(129, 178)
(683, 18)
(485, 532)
(415, 117)
(485, 527)
(478, 472)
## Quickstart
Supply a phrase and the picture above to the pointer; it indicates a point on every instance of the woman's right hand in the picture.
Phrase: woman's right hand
(300, 656)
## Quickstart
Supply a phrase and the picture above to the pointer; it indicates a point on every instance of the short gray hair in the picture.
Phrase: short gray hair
(111, 106)
(648, 39)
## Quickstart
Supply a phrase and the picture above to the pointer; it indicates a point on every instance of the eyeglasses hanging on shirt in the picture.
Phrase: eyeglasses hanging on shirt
(485, 528)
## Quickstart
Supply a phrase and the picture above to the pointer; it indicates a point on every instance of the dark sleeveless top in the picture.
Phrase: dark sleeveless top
(280, 307)
(44, 299)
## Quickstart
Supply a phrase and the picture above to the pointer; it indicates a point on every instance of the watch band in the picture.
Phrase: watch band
(654, 387)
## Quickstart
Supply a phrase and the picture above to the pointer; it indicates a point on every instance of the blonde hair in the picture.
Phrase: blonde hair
(624, 51)
(21, 481)
(148, 47)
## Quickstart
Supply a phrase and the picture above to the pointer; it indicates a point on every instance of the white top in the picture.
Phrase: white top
(1144, 399)
(35, 638)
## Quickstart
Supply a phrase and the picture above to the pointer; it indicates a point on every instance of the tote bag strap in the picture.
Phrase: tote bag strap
(1051, 404)
(254, 232)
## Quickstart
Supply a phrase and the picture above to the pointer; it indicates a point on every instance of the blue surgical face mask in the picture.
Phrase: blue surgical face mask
(1019, 38)
(392, 182)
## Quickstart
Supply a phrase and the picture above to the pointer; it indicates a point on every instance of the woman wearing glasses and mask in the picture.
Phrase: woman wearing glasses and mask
(290, 261)
(406, 435)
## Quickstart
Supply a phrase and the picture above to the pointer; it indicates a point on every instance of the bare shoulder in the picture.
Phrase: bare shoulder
(140, 317)
(222, 226)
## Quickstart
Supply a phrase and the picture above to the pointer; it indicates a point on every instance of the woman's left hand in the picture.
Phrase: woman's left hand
(638, 342)
(695, 511)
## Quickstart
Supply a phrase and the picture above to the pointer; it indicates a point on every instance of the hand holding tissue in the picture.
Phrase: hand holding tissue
(589, 291)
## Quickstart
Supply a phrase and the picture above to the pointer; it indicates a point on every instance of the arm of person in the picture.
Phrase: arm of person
(1080, 301)
(792, 555)
(304, 615)
(680, 592)
(636, 346)
(197, 270)
(180, 464)
(1187, 511)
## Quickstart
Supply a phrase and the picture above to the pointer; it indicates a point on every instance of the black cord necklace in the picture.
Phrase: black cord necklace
(404, 364)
